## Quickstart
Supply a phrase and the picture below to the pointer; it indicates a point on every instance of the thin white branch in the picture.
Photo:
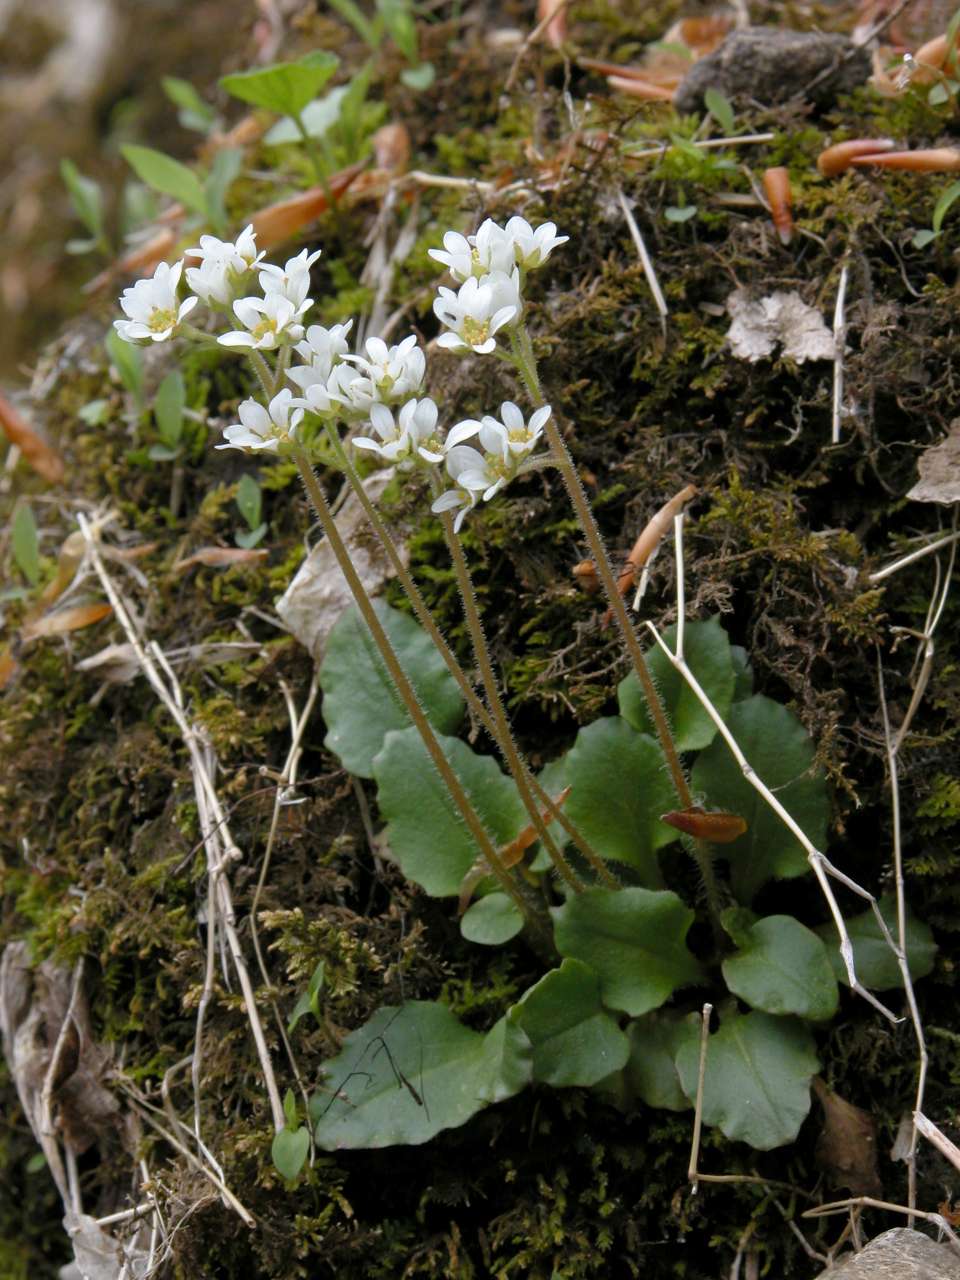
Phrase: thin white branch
(913, 555)
(937, 1138)
(221, 849)
(839, 348)
(681, 588)
(698, 1108)
(645, 261)
(744, 139)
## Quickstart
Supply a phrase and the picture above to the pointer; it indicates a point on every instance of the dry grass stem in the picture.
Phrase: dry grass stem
(221, 849)
(698, 1107)
(645, 261)
(839, 344)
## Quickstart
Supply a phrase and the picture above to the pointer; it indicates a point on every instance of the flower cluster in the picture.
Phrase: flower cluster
(377, 389)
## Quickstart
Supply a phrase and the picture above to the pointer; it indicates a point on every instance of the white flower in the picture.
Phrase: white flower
(292, 281)
(472, 475)
(268, 322)
(393, 373)
(412, 434)
(261, 428)
(478, 311)
(533, 247)
(465, 256)
(224, 266)
(152, 308)
(322, 349)
(513, 437)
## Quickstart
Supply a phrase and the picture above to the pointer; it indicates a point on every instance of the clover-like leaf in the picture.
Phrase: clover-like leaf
(779, 748)
(634, 939)
(757, 1079)
(491, 920)
(619, 788)
(875, 964)
(707, 651)
(426, 833)
(783, 967)
(575, 1041)
(412, 1071)
(361, 704)
(285, 87)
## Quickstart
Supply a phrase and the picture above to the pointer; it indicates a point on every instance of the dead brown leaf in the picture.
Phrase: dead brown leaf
(220, 557)
(847, 1145)
(64, 621)
(44, 460)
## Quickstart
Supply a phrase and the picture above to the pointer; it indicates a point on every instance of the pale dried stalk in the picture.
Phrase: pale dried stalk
(698, 1108)
(902, 563)
(645, 261)
(868, 1202)
(219, 844)
(819, 863)
(936, 1138)
(47, 1126)
(705, 143)
(839, 346)
(892, 748)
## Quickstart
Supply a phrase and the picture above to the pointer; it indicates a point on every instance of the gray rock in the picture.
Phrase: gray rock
(900, 1254)
(770, 65)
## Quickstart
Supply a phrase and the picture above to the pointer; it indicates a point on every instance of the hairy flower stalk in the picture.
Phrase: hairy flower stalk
(544, 801)
(526, 365)
(410, 700)
(504, 736)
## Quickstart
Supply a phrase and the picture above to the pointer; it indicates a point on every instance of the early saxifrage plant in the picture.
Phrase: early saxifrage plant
(571, 859)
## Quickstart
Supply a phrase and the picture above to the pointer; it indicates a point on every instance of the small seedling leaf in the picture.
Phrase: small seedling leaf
(86, 199)
(168, 408)
(782, 967)
(634, 939)
(250, 500)
(757, 1079)
(420, 77)
(248, 538)
(710, 657)
(426, 832)
(194, 113)
(778, 747)
(943, 206)
(718, 105)
(25, 544)
(575, 1041)
(226, 166)
(286, 87)
(413, 1071)
(360, 704)
(128, 362)
(169, 176)
(309, 1000)
(680, 213)
(289, 1151)
(492, 920)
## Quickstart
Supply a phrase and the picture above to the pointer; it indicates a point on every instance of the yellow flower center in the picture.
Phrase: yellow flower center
(161, 320)
(476, 332)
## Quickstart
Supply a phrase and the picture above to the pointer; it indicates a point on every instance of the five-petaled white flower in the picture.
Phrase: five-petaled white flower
(224, 266)
(533, 246)
(412, 435)
(322, 349)
(152, 308)
(477, 255)
(513, 437)
(478, 311)
(292, 281)
(392, 373)
(261, 428)
(268, 322)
